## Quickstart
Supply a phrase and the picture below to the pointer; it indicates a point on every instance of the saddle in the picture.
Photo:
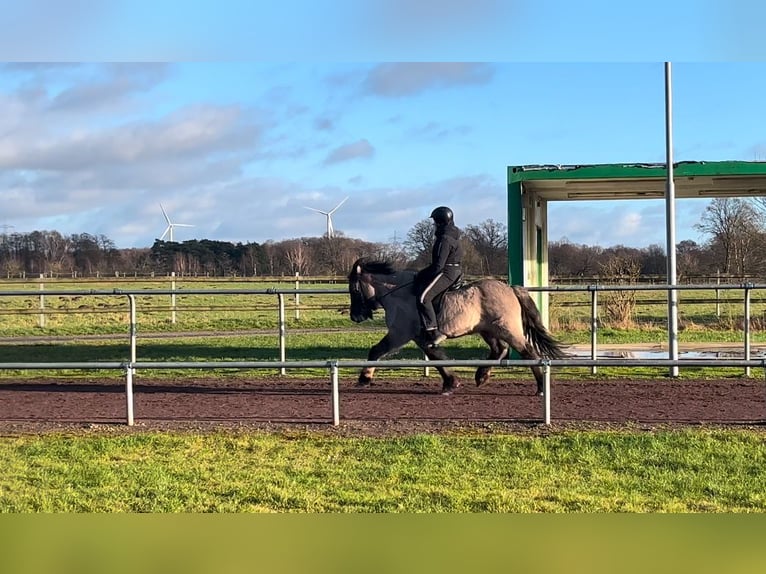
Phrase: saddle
(459, 284)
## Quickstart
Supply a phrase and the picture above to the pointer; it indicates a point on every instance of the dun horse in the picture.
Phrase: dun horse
(505, 316)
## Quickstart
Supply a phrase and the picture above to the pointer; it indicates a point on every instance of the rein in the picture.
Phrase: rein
(378, 298)
(395, 289)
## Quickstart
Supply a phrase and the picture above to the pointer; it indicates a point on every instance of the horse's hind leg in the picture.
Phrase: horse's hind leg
(497, 350)
(529, 353)
(538, 372)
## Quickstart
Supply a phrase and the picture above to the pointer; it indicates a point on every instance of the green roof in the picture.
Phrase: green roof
(637, 181)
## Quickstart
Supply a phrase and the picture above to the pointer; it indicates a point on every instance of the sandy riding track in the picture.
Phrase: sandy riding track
(388, 406)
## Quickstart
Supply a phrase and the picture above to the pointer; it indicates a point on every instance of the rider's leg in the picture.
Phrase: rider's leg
(427, 313)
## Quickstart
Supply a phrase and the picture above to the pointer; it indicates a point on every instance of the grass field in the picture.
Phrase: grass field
(680, 471)
(702, 317)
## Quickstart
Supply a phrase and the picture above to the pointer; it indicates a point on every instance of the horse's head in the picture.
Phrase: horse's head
(362, 292)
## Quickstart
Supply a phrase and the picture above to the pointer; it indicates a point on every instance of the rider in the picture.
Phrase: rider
(441, 274)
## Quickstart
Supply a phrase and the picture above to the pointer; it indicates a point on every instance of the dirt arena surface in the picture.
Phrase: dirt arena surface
(388, 407)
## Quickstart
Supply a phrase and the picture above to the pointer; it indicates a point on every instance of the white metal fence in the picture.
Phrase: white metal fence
(132, 365)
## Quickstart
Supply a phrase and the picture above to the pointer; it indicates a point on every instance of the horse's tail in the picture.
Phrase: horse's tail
(534, 330)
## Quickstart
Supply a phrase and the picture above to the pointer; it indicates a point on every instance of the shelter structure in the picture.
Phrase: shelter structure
(532, 187)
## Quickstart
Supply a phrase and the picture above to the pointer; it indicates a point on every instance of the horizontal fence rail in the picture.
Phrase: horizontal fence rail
(281, 294)
(334, 367)
(132, 365)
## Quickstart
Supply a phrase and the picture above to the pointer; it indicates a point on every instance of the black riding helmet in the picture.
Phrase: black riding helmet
(442, 215)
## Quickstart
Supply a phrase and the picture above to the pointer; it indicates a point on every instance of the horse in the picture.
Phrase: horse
(504, 315)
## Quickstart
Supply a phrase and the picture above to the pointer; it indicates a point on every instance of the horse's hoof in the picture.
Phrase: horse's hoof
(482, 376)
(449, 389)
(364, 382)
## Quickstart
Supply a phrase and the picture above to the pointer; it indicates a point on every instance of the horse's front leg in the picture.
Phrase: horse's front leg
(450, 380)
(382, 348)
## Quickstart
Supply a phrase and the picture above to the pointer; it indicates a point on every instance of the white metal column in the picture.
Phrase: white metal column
(670, 222)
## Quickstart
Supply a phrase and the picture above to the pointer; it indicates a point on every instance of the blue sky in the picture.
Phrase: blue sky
(237, 139)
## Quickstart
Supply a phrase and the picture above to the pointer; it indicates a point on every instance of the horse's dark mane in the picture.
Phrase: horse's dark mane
(379, 267)
(376, 267)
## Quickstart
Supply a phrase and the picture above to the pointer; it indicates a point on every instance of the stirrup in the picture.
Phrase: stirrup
(433, 337)
(438, 339)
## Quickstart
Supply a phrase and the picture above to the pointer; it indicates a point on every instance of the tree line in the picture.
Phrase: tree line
(53, 254)
(736, 231)
(736, 228)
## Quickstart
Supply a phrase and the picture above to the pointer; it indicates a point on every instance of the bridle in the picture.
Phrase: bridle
(365, 296)
(374, 302)
(356, 289)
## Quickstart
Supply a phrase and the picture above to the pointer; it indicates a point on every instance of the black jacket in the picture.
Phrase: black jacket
(446, 255)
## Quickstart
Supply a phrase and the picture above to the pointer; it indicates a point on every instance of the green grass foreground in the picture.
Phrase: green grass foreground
(235, 471)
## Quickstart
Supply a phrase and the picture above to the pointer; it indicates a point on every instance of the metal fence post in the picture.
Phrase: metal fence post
(547, 393)
(130, 371)
(718, 295)
(129, 394)
(282, 330)
(173, 297)
(41, 320)
(593, 326)
(133, 326)
(335, 394)
(297, 295)
(747, 327)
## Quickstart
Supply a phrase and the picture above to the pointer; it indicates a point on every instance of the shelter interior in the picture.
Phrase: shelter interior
(531, 187)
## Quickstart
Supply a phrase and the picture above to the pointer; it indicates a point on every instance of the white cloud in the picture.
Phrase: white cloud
(191, 132)
(355, 150)
(628, 225)
(637, 223)
(109, 84)
(435, 26)
(409, 78)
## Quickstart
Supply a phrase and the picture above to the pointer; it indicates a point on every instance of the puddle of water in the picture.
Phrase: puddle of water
(664, 354)
(681, 355)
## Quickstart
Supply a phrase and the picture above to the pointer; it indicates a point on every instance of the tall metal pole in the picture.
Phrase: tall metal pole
(670, 222)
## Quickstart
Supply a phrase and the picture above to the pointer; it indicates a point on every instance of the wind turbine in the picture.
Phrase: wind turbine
(328, 214)
(169, 229)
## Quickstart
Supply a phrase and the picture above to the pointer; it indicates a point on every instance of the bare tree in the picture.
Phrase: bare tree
(56, 250)
(490, 240)
(420, 241)
(472, 262)
(328, 254)
(688, 258)
(297, 256)
(137, 260)
(654, 260)
(271, 253)
(619, 305)
(393, 252)
(567, 259)
(734, 224)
